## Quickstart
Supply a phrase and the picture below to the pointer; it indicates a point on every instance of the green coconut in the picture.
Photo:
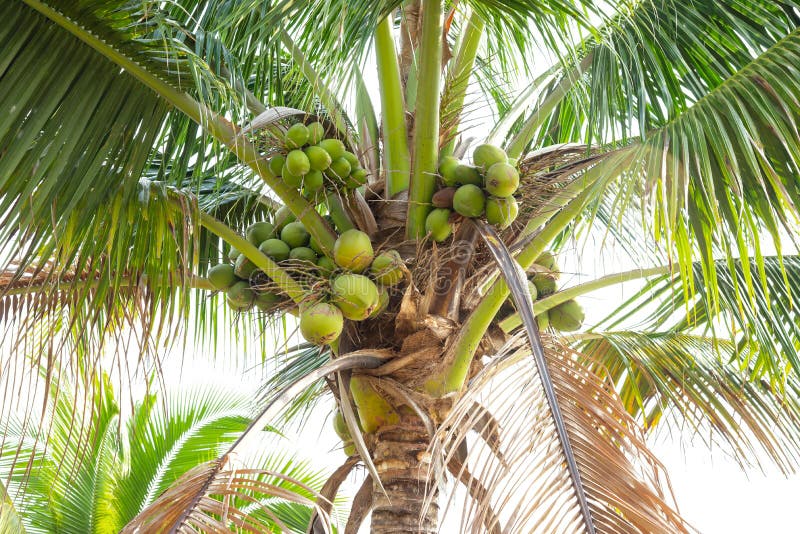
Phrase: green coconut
(353, 251)
(466, 174)
(447, 169)
(298, 163)
(340, 169)
(349, 449)
(266, 301)
(502, 180)
(276, 164)
(297, 135)
(545, 285)
(241, 294)
(315, 246)
(291, 179)
(469, 201)
(326, 265)
(567, 316)
(233, 254)
(334, 147)
(295, 235)
(351, 158)
(357, 178)
(340, 426)
(222, 276)
(318, 158)
(275, 249)
(316, 131)
(303, 254)
(244, 267)
(437, 224)
(383, 302)
(259, 232)
(313, 182)
(387, 268)
(283, 216)
(356, 295)
(487, 155)
(547, 260)
(321, 323)
(501, 212)
(543, 320)
(235, 306)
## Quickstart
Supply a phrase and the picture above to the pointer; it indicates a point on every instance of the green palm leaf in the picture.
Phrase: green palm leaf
(683, 381)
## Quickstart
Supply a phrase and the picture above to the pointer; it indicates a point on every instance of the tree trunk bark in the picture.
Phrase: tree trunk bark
(403, 463)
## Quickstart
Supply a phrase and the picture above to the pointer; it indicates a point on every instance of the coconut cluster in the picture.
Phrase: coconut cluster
(358, 289)
(484, 189)
(565, 317)
(310, 162)
(285, 241)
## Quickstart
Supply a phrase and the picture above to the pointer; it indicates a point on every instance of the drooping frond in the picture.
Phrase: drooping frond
(524, 486)
(693, 383)
(760, 318)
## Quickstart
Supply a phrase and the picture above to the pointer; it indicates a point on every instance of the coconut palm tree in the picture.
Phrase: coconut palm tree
(142, 143)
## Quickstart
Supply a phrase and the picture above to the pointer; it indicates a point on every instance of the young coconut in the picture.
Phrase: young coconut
(340, 427)
(383, 302)
(326, 265)
(353, 251)
(321, 323)
(283, 216)
(291, 179)
(502, 180)
(543, 320)
(316, 132)
(276, 164)
(303, 254)
(295, 235)
(222, 276)
(567, 316)
(501, 212)
(275, 249)
(259, 232)
(313, 182)
(447, 169)
(486, 155)
(297, 162)
(464, 174)
(241, 296)
(545, 285)
(318, 158)
(357, 178)
(469, 201)
(387, 268)
(296, 136)
(437, 224)
(266, 301)
(340, 169)
(233, 254)
(547, 260)
(355, 295)
(334, 147)
(244, 267)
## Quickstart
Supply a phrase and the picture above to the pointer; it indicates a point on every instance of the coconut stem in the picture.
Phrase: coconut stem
(513, 321)
(426, 128)
(459, 75)
(393, 107)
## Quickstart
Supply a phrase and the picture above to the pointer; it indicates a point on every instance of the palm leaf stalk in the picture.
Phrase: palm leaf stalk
(662, 136)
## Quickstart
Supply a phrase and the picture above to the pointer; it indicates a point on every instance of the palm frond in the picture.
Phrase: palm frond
(695, 384)
(527, 488)
(760, 319)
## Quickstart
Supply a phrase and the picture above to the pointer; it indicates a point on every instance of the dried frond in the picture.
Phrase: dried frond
(528, 489)
(212, 498)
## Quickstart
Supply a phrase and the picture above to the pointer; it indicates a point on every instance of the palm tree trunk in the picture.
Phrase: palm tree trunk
(403, 463)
